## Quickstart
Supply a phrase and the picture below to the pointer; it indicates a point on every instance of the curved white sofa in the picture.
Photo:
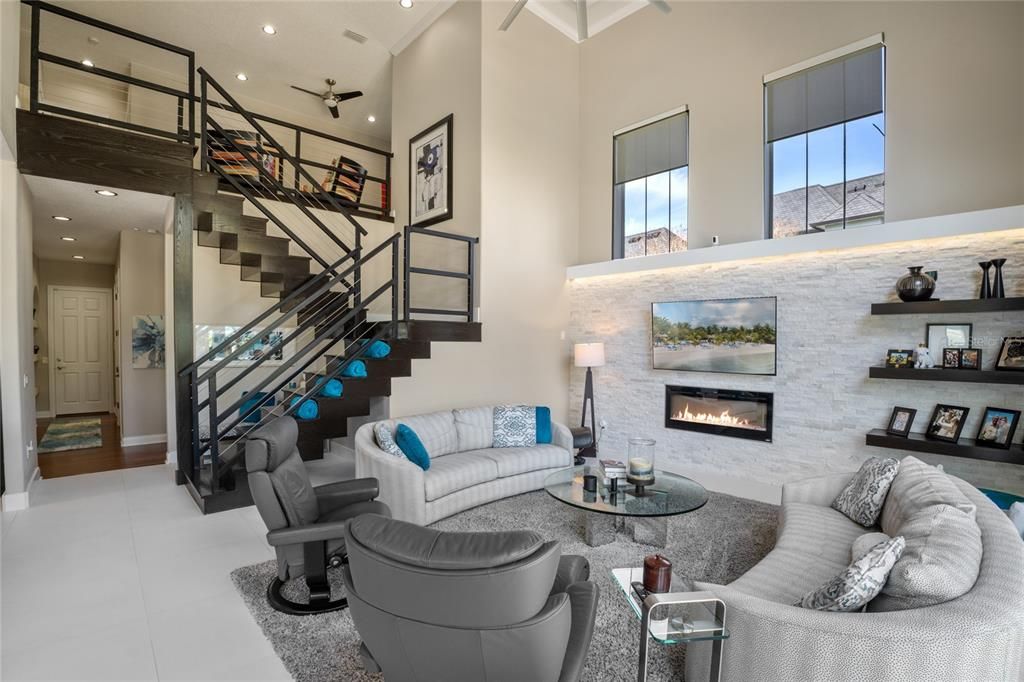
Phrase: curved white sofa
(465, 471)
(978, 636)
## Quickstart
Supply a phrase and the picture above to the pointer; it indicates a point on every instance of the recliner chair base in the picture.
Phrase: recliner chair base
(319, 602)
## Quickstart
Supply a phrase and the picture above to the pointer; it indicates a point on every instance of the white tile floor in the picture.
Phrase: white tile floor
(118, 576)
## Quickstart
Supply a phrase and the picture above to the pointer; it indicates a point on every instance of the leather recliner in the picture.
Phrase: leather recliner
(306, 524)
(487, 607)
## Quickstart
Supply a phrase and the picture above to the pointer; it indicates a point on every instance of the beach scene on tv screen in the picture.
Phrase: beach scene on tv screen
(734, 335)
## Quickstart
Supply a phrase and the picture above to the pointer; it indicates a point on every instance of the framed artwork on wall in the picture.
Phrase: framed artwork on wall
(149, 345)
(900, 422)
(947, 422)
(997, 427)
(1011, 354)
(430, 174)
(940, 336)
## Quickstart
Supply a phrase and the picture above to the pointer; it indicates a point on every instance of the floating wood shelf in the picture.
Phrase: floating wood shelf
(973, 376)
(980, 305)
(965, 447)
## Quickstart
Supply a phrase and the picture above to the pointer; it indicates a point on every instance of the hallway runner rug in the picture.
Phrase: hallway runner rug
(717, 543)
(71, 434)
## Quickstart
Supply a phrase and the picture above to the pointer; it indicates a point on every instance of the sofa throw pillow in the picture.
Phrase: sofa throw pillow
(412, 447)
(543, 425)
(859, 583)
(918, 486)
(862, 498)
(864, 543)
(386, 439)
(515, 426)
(941, 560)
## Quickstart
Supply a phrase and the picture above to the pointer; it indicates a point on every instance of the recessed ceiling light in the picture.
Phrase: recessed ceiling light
(62, 218)
(79, 257)
(87, 62)
(136, 229)
(242, 77)
(106, 193)
(406, 4)
(152, 231)
(67, 239)
(269, 30)
(371, 118)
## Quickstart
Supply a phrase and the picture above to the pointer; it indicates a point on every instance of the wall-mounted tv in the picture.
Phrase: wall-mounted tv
(732, 335)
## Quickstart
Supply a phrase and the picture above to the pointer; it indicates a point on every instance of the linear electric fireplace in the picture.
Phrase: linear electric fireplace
(723, 412)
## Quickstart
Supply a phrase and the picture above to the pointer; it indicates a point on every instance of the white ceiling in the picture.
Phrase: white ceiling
(96, 222)
(600, 14)
(309, 46)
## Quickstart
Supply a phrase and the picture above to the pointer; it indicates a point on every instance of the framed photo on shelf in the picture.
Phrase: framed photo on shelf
(947, 335)
(947, 422)
(430, 174)
(897, 358)
(1011, 354)
(997, 427)
(970, 358)
(951, 358)
(900, 422)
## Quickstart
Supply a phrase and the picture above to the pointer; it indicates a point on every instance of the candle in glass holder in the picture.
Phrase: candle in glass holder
(640, 462)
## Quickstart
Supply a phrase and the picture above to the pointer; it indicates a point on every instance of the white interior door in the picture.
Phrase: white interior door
(80, 334)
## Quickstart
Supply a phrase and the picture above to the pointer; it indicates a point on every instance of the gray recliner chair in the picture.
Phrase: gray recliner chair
(306, 524)
(487, 607)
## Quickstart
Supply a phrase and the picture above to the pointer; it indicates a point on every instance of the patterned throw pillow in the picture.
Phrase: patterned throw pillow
(386, 439)
(515, 426)
(862, 498)
(859, 583)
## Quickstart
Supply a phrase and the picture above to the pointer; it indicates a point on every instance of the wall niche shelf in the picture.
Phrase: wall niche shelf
(965, 447)
(971, 376)
(968, 305)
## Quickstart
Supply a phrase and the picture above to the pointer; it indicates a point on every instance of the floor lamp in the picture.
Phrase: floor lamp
(589, 355)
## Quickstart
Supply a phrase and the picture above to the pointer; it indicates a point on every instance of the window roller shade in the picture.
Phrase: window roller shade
(651, 149)
(835, 92)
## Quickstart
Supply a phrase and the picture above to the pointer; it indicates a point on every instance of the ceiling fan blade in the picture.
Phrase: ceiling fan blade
(582, 30)
(334, 112)
(342, 96)
(512, 14)
(318, 94)
(662, 5)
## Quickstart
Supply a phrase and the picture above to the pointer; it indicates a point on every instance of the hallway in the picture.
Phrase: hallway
(107, 457)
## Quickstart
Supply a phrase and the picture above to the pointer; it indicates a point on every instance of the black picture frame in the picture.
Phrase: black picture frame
(898, 358)
(951, 358)
(938, 431)
(974, 363)
(903, 432)
(1011, 354)
(937, 347)
(445, 129)
(985, 436)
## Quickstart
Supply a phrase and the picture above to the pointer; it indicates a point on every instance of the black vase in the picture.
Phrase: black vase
(915, 286)
(986, 288)
(997, 287)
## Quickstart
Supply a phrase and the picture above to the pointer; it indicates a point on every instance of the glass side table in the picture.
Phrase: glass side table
(675, 618)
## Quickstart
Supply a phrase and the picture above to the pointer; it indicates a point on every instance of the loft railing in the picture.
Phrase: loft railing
(469, 276)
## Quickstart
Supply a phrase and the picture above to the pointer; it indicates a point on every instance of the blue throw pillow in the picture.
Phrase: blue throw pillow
(378, 350)
(307, 410)
(332, 388)
(356, 368)
(412, 446)
(543, 424)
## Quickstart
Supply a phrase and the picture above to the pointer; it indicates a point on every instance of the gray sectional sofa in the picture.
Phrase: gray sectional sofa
(976, 636)
(465, 470)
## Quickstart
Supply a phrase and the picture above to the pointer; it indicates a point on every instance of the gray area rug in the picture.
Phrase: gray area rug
(716, 543)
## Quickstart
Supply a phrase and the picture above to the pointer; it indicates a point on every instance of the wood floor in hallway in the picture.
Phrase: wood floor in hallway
(107, 457)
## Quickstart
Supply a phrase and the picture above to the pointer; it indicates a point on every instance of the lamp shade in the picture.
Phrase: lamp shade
(588, 354)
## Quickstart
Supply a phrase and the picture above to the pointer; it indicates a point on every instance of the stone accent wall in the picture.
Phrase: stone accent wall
(824, 401)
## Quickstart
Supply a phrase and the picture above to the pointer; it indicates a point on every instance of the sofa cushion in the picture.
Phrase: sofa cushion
(817, 531)
(515, 426)
(785, 575)
(916, 487)
(475, 428)
(455, 472)
(514, 461)
(861, 500)
(436, 431)
(858, 583)
(940, 563)
(865, 543)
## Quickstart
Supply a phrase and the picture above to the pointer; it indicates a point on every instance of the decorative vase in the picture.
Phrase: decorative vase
(997, 287)
(986, 289)
(915, 286)
(640, 463)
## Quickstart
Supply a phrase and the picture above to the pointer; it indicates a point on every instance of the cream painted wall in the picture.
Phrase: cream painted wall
(140, 265)
(954, 103)
(9, 46)
(68, 274)
(519, 149)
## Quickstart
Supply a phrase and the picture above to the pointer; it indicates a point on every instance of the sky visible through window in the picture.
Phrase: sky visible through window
(657, 201)
(865, 155)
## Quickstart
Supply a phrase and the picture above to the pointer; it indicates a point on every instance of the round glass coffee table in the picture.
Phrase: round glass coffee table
(646, 514)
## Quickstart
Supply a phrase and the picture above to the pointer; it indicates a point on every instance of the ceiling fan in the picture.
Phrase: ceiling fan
(582, 30)
(331, 98)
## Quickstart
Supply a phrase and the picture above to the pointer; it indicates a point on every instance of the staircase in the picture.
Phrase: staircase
(325, 311)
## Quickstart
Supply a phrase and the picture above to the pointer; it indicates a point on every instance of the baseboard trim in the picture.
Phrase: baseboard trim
(44, 414)
(11, 502)
(151, 439)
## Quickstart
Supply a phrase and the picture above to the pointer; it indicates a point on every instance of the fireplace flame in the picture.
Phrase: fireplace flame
(722, 419)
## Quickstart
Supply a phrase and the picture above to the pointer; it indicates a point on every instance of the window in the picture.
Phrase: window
(649, 188)
(825, 143)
